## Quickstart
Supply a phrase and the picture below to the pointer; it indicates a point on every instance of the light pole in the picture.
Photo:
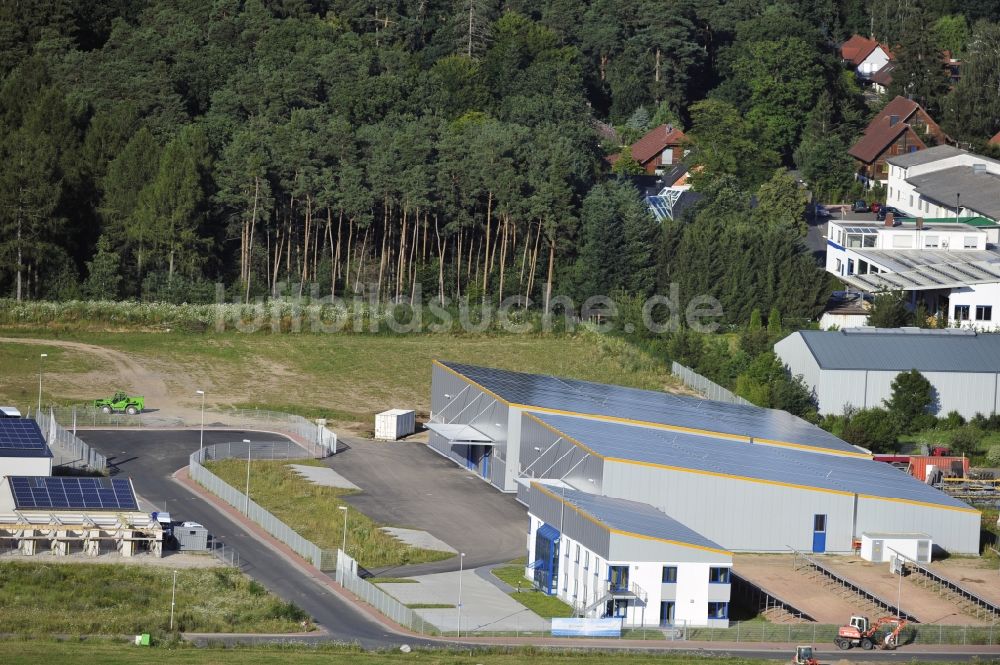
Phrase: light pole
(246, 508)
(41, 358)
(461, 568)
(343, 547)
(173, 597)
(201, 440)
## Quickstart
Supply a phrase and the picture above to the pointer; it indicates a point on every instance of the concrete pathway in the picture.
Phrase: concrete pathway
(420, 539)
(323, 475)
(484, 606)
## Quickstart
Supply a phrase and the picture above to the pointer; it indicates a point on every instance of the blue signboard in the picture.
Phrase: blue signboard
(587, 627)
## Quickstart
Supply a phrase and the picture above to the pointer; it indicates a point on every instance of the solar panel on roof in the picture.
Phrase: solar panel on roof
(20, 434)
(61, 492)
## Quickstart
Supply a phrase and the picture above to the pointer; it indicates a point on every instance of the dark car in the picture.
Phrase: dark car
(885, 210)
(859, 206)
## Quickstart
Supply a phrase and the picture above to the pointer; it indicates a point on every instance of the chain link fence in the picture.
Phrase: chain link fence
(314, 437)
(709, 389)
(274, 526)
(347, 576)
(67, 450)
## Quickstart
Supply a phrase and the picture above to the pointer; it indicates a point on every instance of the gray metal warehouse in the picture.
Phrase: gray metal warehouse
(856, 366)
(750, 479)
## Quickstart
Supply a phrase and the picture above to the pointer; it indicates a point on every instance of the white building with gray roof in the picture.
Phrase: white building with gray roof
(944, 181)
(856, 366)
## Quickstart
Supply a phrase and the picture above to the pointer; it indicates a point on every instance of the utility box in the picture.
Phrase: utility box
(191, 537)
(882, 547)
(395, 424)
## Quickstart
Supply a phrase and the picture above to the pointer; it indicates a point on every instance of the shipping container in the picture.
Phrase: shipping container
(394, 424)
(881, 547)
(950, 467)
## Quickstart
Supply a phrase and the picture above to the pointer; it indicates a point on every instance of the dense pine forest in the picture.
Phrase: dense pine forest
(449, 148)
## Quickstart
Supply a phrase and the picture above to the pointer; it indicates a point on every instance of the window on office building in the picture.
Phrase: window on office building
(718, 575)
(718, 610)
(984, 312)
(961, 312)
(670, 574)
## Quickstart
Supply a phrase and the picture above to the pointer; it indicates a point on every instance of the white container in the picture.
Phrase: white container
(394, 424)
(881, 547)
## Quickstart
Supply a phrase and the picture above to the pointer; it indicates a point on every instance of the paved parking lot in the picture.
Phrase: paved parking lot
(405, 484)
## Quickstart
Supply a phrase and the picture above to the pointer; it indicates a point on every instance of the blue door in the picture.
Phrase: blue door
(486, 463)
(470, 457)
(819, 533)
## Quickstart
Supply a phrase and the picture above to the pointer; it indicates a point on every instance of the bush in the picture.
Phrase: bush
(993, 455)
(875, 429)
(966, 440)
(923, 421)
(953, 420)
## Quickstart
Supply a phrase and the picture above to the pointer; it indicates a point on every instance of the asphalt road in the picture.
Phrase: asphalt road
(150, 458)
(406, 484)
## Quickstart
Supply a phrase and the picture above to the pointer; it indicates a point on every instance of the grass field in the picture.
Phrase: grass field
(536, 601)
(20, 363)
(31, 653)
(312, 511)
(340, 376)
(102, 599)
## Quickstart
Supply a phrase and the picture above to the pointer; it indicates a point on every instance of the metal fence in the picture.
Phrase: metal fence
(274, 526)
(317, 440)
(709, 389)
(817, 634)
(67, 449)
(347, 576)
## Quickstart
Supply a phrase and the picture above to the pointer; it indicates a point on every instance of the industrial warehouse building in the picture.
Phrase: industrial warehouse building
(747, 478)
(856, 366)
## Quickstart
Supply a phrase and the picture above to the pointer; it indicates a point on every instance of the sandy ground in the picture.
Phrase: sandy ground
(776, 574)
(976, 575)
(172, 560)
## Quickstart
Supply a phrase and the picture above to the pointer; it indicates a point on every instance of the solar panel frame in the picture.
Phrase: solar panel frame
(20, 437)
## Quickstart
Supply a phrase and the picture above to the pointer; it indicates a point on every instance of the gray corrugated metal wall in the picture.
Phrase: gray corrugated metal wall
(968, 393)
(562, 461)
(954, 530)
(568, 521)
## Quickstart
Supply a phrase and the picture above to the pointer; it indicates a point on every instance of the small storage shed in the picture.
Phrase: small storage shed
(881, 547)
(191, 537)
(394, 424)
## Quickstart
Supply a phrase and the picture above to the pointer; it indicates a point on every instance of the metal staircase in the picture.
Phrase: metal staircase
(612, 591)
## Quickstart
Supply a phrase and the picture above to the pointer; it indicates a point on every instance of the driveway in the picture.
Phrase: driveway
(406, 484)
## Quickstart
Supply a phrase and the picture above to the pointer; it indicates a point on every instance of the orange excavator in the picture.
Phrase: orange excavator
(867, 635)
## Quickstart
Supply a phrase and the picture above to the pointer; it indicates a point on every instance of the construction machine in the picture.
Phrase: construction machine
(805, 655)
(867, 635)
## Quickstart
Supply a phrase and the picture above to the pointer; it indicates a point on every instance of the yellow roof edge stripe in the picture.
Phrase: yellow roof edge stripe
(582, 513)
(646, 423)
(920, 503)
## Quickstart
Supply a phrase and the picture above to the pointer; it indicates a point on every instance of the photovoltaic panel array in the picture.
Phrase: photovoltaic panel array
(61, 492)
(20, 437)
(649, 406)
(739, 459)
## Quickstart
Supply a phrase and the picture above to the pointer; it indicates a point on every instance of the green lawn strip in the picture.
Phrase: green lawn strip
(104, 599)
(541, 604)
(16, 652)
(430, 606)
(312, 511)
(21, 362)
(643, 634)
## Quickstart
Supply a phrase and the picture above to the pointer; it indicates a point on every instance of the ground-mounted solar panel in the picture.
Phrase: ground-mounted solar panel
(63, 492)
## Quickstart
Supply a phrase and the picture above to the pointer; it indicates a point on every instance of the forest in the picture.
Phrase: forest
(447, 148)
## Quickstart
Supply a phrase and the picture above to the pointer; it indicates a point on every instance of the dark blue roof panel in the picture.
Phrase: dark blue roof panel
(651, 407)
(632, 517)
(740, 459)
(72, 493)
(20, 437)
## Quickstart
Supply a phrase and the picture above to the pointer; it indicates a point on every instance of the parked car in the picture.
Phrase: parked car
(859, 206)
(885, 210)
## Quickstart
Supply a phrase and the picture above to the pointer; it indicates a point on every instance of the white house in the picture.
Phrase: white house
(866, 55)
(944, 181)
(610, 557)
(951, 265)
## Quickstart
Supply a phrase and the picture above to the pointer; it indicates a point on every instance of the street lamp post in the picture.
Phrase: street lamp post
(173, 597)
(461, 568)
(343, 546)
(201, 440)
(40, 360)
(246, 508)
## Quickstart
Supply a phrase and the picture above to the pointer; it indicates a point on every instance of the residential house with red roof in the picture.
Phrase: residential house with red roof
(995, 140)
(901, 127)
(659, 149)
(866, 55)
